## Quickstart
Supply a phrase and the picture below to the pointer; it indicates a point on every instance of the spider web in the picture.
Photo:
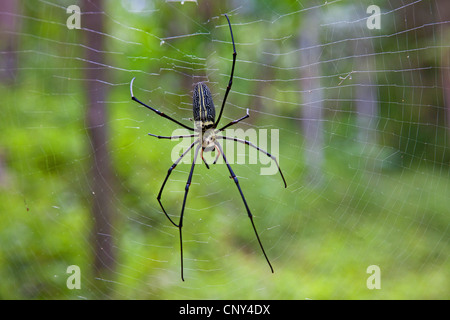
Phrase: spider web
(363, 124)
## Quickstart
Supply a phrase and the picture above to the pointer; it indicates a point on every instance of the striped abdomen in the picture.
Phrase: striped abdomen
(203, 107)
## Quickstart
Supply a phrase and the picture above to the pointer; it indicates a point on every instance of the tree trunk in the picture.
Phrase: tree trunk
(366, 94)
(312, 110)
(96, 118)
(445, 75)
(9, 28)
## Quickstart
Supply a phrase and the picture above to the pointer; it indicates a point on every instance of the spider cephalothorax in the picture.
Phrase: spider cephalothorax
(206, 134)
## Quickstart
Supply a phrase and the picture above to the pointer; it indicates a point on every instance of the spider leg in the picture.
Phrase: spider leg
(173, 137)
(204, 161)
(233, 176)
(162, 114)
(216, 158)
(180, 224)
(259, 149)
(167, 177)
(218, 154)
(234, 122)
(230, 82)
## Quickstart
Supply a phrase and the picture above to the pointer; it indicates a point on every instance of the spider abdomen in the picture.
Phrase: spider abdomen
(203, 107)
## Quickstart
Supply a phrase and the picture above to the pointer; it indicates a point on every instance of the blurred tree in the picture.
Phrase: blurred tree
(102, 178)
(9, 26)
(312, 109)
(366, 95)
(424, 22)
(443, 10)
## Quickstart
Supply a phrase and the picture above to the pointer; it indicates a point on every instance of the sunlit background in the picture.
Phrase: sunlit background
(361, 103)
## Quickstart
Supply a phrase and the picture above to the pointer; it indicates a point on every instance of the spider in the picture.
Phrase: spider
(207, 133)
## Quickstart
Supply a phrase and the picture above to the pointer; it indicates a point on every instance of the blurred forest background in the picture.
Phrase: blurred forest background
(364, 125)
